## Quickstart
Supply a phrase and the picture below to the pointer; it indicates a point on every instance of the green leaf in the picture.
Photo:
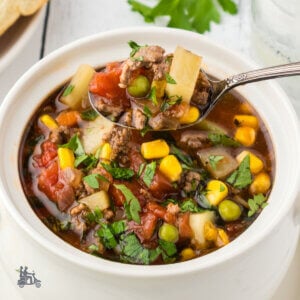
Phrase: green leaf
(222, 139)
(170, 79)
(147, 111)
(89, 161)
(242, 176)
(190, 205)
(134, 46)
(133, 252)
(106, 236)
(153, 96)
(118, 227)
(257, 203)
(92, 180)
(141, 169)
(95, 216)
(132, 205)
(118, 173)
(145, 130)
(93, 248)
(229, 6)
(195, 15)
(68, 90)
(181, 156)
(214, 159)
(166, 104)
(149, 173)
(75, 145)
(89, 115)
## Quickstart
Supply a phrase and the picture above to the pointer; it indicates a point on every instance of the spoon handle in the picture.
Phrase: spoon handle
(263, 74)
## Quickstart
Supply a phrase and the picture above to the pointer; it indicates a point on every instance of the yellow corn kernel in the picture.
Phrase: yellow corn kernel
(191, 115)
(66, 158)
(246, 120)
(245, 135)
(171, 167)
(260, 184)
(155, 149)
(210, 231)
(222, 238)
(216, 191)
(49, 122)
(187, 253)
(160, 86)
(256, 164)
(106, 151)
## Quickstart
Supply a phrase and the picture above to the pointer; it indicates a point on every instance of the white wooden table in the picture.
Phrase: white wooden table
(68, 20)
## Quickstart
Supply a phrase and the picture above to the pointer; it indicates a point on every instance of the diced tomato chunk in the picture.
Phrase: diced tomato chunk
(49, 152)
(106, 85)
(185, 230)
(160, 185)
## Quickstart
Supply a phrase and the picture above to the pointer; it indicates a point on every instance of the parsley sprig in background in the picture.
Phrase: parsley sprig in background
(195, 15)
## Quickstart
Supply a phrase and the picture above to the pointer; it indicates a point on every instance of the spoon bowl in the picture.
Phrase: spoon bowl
(218, 89)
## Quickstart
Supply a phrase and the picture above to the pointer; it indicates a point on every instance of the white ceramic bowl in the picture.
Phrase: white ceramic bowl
(253, 264)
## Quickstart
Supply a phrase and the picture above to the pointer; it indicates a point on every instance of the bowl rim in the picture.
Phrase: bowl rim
(87, 261)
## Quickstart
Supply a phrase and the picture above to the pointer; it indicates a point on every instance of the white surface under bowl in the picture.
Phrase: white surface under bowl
(253, 264)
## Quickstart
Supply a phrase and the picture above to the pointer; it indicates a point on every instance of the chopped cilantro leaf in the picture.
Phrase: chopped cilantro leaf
(145, 130)
(153, 96)
(92, 180)
(149, 173)
(93, 248)
(68, 90)
(141, 169)
(242, 176)
(118, 173)
(170, 102)
(132, 205)
(65, 225)
(190, 205)
(106, 236)
(89, 115)
(170, 79)
(95, 216)
(183, 157)
(89, 161)
(132, 251)
(258, 202)
(147, 111)
(75, 145)
(214, 159)
(193, 15)
(135, 47)
(118, 227)
(222, 139)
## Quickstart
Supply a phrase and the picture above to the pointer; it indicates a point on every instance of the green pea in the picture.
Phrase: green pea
(168, 233)
(229, 210)
(139, 87)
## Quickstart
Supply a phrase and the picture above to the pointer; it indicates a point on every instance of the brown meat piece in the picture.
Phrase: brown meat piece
(126, 118)
(118, 139)
(190, 181)
(193, 139)
(107, 109)
(138, 119)
(59, 135)
(201, 92)
(146, 57)
(72, 176)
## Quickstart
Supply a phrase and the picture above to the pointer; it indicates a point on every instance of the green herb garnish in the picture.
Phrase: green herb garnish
(152, 96)
(222, 139)
(149, 173)
(95, 216)
(93, 248)
(192, 15)
(118, 173)
(89, 115)
(242, 176)
(181, 156)
(89, 161)
(168, 251)
(166, 104)
(147, 111)
(75, 145)
(132, 205)
(92, 180)
(118, 227)
(141, 169)
(214, 159)
(106, 235)
(145, 130)
(190, 205)
(135, 47)
(68, 90)
(170, 79)
(258, 202)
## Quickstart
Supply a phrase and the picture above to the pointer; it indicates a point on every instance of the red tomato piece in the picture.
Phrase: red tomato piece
(49, 152)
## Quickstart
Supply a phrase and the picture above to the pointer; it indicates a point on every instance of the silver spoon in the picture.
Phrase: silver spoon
(219, 88)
